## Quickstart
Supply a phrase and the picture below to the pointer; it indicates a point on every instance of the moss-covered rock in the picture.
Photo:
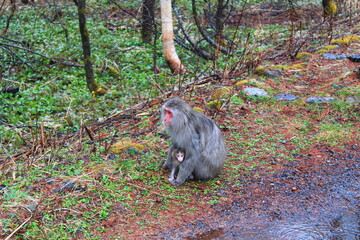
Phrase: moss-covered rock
(223, 92)
(123, 145)
(216, 104)
(303, 55)
(241, 82)
(321, 51)
(267, 72)
(346, 40)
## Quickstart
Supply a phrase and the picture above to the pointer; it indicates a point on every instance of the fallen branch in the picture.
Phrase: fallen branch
(42, 55)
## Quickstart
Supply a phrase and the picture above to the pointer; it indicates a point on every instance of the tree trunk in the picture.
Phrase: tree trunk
(13, 9)
(95, 88)
(219, 22)
(147, 24)
(168, 38)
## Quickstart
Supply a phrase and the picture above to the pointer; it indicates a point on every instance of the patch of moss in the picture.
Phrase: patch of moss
(267, 71)
(281, 67)
(346, 40)
(297, 66)
(114, 71)
(222, 92)
(242, 82)
(216, 104)
(321, 51)
(303, 55)
(122, 145)
(100, 91)
(329, 47)
(330, 7)
(200, 110)
(260, 70)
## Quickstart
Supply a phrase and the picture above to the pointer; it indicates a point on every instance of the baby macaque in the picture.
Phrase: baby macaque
(178, 158)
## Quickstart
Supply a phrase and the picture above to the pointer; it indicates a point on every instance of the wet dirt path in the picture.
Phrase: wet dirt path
(315, 197)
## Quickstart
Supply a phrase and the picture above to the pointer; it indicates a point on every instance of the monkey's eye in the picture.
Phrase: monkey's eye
(167, 111)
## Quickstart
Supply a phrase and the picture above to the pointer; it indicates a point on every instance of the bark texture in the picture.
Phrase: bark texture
(170, 54)
(95, 88)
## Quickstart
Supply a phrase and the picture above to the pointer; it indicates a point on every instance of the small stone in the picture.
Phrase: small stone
(32, 207)
(334, 56)
(255, 92)
(112, 156)
(272, 73)
(51, 181)
(354, 99)
(319, 99)
(354, 58)
(65, 185)
(286, 97)
(132, 151)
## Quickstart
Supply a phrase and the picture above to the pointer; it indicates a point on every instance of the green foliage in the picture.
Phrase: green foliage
(334, 134)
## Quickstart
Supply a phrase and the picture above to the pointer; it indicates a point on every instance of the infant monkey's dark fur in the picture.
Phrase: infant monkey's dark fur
(195, 135)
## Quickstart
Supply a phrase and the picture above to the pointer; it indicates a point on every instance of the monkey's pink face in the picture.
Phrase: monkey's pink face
(168, 117)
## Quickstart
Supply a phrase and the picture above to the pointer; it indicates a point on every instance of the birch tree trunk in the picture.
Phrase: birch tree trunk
(170, 54)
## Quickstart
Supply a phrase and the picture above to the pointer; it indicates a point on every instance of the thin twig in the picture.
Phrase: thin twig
(202, 31)
(18, 228)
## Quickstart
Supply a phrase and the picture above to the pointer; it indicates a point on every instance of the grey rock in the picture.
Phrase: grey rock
(319, 99)
(51, 181)
(334, 56)
(255, 92)
(32, 207)
(286, 97)
(272, 73)
(354, 58)
(132, 151)
(64, 186)
(354, 99)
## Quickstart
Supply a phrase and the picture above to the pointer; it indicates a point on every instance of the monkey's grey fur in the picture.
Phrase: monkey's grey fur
(200, 139)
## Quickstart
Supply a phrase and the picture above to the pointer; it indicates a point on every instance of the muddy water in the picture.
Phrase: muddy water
(344, 227)
(314, 198)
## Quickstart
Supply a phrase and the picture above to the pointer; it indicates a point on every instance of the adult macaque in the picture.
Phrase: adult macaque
(177, 158)
(199, 138)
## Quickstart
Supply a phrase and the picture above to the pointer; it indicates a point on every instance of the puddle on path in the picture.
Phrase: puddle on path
(343, 228)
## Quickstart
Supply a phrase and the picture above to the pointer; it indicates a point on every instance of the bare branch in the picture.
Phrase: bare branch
(203, 33)
(194, 48)
(42, 55)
